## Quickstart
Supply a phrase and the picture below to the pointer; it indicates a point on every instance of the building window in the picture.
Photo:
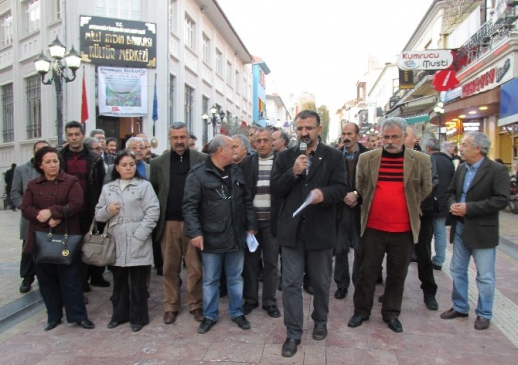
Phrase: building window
(32, 16)
(189, 36)
(189, 105)
(173, 16)
(7, 113)
(172, 83)
(229, 73)
(219, 63)
(33, 107)
(237, 81)
(206, 49)
(55, 13)
(7, 29)
(119, 9)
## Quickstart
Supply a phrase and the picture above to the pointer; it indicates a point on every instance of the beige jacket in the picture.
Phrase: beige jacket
(417, 179)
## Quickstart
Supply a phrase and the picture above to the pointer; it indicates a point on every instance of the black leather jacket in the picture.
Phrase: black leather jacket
(210, 210)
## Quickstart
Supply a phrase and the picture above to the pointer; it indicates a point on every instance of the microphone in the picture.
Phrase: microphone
(303, 147)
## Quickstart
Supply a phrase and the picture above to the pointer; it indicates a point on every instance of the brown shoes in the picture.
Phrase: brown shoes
(198, 314)
(482, 323)
(452, 313)
(170, 317)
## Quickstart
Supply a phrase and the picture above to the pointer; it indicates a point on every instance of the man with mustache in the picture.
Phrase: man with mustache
(349, 222)
(392, 181)
(317, 172)
(168, 175)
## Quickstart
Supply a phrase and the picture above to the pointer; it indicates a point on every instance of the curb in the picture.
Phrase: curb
(19, 310)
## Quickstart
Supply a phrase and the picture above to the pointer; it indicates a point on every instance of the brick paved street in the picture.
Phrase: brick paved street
(426, 338)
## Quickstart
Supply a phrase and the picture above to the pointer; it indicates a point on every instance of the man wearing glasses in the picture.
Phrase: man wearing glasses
(392, 181)
(316, 172)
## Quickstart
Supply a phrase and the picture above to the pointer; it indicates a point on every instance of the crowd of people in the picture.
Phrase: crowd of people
(306, 206)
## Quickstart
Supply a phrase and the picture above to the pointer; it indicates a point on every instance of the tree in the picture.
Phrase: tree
(323, 112)
(310, 105)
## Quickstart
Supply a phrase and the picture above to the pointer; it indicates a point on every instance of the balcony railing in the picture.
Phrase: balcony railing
(485, 38)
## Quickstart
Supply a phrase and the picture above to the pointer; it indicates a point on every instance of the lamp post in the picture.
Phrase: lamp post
(58, 65)
(439, 109)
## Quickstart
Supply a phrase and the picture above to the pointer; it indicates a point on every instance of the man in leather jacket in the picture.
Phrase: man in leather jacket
(218, 214)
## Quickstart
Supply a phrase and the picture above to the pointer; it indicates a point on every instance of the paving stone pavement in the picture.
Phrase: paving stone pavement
(426, 338)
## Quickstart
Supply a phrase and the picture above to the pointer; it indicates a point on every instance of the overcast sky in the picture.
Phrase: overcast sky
(322, 46)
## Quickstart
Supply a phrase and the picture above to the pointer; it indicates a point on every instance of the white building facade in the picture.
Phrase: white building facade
(200, 62)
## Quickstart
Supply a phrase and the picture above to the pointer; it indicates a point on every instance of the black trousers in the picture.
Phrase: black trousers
(129, 299)
(424, 256)
(27, 270)
(267, 253)
(60, 285)
(398, 247)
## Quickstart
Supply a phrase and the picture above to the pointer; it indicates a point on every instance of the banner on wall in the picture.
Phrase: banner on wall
(122, 91)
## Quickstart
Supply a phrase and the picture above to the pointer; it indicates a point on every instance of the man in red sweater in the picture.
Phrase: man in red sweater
(393, 181)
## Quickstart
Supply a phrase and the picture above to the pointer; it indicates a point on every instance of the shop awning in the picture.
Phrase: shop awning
(417, 119)
(508, 103)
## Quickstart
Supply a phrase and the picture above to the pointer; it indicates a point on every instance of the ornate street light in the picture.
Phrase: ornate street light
(58, 65)
(439, 110)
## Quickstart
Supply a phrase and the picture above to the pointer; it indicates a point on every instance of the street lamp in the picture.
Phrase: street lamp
(439, 109)
(58, 65)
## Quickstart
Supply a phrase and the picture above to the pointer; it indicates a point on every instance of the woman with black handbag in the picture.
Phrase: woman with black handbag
(51, 204)
(130, 206)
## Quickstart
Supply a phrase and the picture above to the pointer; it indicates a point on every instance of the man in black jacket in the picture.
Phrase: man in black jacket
(350, 214)
(445, 170)
(257, 169)
(316, 172)
(88, 167)
(218, 214)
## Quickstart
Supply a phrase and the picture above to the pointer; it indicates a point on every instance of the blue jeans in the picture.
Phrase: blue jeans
(212, 264)
(485, 264)
(439, 234)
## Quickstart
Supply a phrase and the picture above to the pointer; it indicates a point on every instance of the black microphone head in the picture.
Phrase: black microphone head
(303, 147)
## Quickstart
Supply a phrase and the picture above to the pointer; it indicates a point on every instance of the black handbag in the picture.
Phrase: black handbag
(98, 248)
(57, 248)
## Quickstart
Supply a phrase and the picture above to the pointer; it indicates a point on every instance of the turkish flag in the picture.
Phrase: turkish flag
(84, 103)
(445, 80)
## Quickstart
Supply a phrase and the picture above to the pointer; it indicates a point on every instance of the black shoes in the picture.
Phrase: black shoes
(308, 287)
(206, 325)
(52, 325)
(86, 324)
(356, 321)
(340, 293)
(101, 282)
(241, 322)
(249, 307)
(136, 327)
(272, 310)
(289, 348)
(320, 332)
(437, 267)
(381, 298)
(114, 324)
(26, 285)
(394, 324)
(430, 302)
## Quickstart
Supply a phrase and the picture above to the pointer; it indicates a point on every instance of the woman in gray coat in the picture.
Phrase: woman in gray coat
(130, 206)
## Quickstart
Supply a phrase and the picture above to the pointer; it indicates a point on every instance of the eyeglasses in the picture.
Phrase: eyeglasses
(393, 138)
(308, 128)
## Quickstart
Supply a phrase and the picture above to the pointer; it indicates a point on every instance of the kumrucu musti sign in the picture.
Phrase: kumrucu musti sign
(437, 59)
(117, 42)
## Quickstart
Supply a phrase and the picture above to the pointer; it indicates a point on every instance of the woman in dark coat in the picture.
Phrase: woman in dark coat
(44, 204)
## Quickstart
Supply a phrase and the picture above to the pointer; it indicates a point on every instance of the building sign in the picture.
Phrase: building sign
(406, 79)
(471, 126)
(438, 59)
(489, 78)
(117, 42)
(123, 92)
